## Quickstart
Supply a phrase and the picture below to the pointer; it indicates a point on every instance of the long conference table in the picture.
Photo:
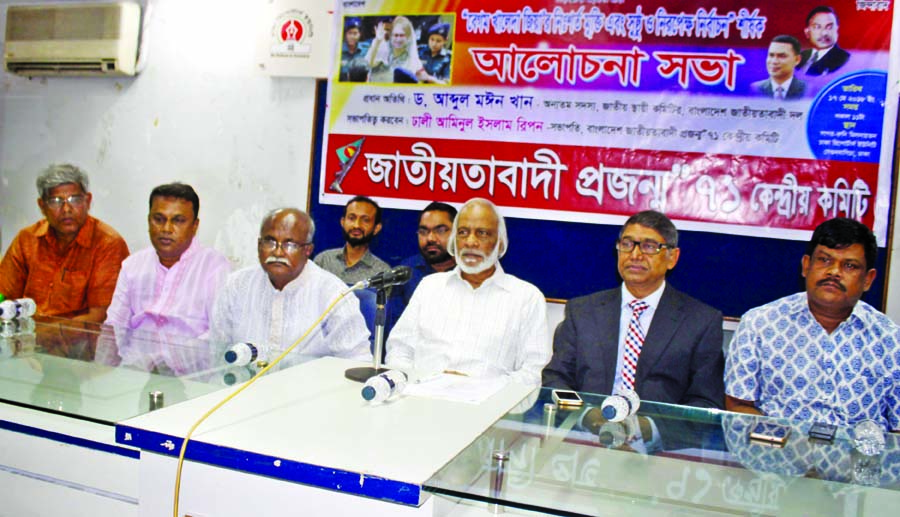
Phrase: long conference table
(92, 420)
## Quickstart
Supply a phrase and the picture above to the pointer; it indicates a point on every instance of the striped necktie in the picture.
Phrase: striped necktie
(634, 340)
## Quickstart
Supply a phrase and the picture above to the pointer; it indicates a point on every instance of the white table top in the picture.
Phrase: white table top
(312, 416)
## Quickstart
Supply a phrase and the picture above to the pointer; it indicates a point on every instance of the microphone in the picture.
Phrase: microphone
(397, 276)
(620, 406)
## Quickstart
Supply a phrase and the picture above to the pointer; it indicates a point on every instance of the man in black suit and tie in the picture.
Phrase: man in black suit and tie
(822, 31)
(782, 58)
(644, 335)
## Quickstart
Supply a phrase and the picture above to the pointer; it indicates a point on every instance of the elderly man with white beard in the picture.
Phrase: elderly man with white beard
(475, 320)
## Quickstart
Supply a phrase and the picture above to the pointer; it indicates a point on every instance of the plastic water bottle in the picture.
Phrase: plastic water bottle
(617, 408)
(25, 326)
(7, 347)
(384, 386)
(241, 354)
(8, 328)
(868, 437)
(21, 308)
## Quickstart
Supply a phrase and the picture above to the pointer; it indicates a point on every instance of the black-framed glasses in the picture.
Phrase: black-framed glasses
(440, 231)
(647, 247)
(289, 247)
(56, 202)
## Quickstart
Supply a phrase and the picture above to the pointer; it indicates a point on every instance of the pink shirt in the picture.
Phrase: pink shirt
(177, 300)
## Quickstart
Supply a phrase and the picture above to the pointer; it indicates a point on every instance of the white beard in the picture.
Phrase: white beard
(488, 262)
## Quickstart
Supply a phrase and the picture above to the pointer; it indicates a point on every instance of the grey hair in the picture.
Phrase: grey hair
(502, 239)
(656, 221)
(311, 230)
(60, 174)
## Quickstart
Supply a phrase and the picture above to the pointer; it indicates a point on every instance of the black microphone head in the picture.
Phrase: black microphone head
(401, 274)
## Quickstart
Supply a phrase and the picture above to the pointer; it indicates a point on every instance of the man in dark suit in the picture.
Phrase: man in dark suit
(822, 31)
(782, 58)
(680, 360)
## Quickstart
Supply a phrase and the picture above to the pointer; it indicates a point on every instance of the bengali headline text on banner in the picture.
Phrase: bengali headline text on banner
(754, 118)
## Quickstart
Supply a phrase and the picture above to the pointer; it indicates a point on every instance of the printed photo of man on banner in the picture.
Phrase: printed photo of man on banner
(730, 117)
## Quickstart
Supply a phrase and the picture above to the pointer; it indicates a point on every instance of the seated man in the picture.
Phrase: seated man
(172, 285)
(435, 222)
(69, 261)
(476, 319)
(821, 355)
(644, 335)
(273, 304)
(354, 262)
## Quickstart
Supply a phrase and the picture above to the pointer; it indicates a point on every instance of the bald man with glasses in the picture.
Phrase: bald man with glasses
(67, 262)
(271, 305)
(645, 335)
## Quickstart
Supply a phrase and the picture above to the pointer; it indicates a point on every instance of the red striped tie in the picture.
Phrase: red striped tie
(634, 340)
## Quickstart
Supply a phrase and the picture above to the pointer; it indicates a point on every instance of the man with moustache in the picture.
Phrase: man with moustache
(435, 223)
(354, 262)
(822, 31)
(170, 286)
(272, 305)
(822, 355)
(69, 261)
(644, 335)
(476, 319)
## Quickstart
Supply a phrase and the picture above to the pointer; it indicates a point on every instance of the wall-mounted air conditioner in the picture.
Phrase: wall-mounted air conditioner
(72, 39)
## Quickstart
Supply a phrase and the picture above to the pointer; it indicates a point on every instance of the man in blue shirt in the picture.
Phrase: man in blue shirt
(821, 355)
(435, 223)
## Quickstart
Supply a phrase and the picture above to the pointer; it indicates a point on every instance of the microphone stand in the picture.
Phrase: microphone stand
(364, 373)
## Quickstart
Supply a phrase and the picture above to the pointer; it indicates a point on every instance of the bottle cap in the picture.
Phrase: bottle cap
(230, 356)
(609, 412)
(368, 392)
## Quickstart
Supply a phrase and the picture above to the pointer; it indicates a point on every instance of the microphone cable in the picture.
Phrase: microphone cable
(244, 386)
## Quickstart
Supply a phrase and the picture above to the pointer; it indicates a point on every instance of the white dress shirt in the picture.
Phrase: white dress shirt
(249, 308)
(498, 329)
(625, 317)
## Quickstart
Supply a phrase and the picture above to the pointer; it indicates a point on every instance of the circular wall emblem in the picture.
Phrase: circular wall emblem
(289, 34)
(291, 30)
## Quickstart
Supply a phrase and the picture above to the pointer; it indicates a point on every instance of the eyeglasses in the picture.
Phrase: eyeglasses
(647, 247)
(289, 247)
(440, 231)
(75, 200)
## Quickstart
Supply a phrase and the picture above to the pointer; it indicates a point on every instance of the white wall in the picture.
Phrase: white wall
(200, 112)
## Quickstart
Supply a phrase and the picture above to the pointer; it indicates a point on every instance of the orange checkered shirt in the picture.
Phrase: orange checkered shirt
(67, 283)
